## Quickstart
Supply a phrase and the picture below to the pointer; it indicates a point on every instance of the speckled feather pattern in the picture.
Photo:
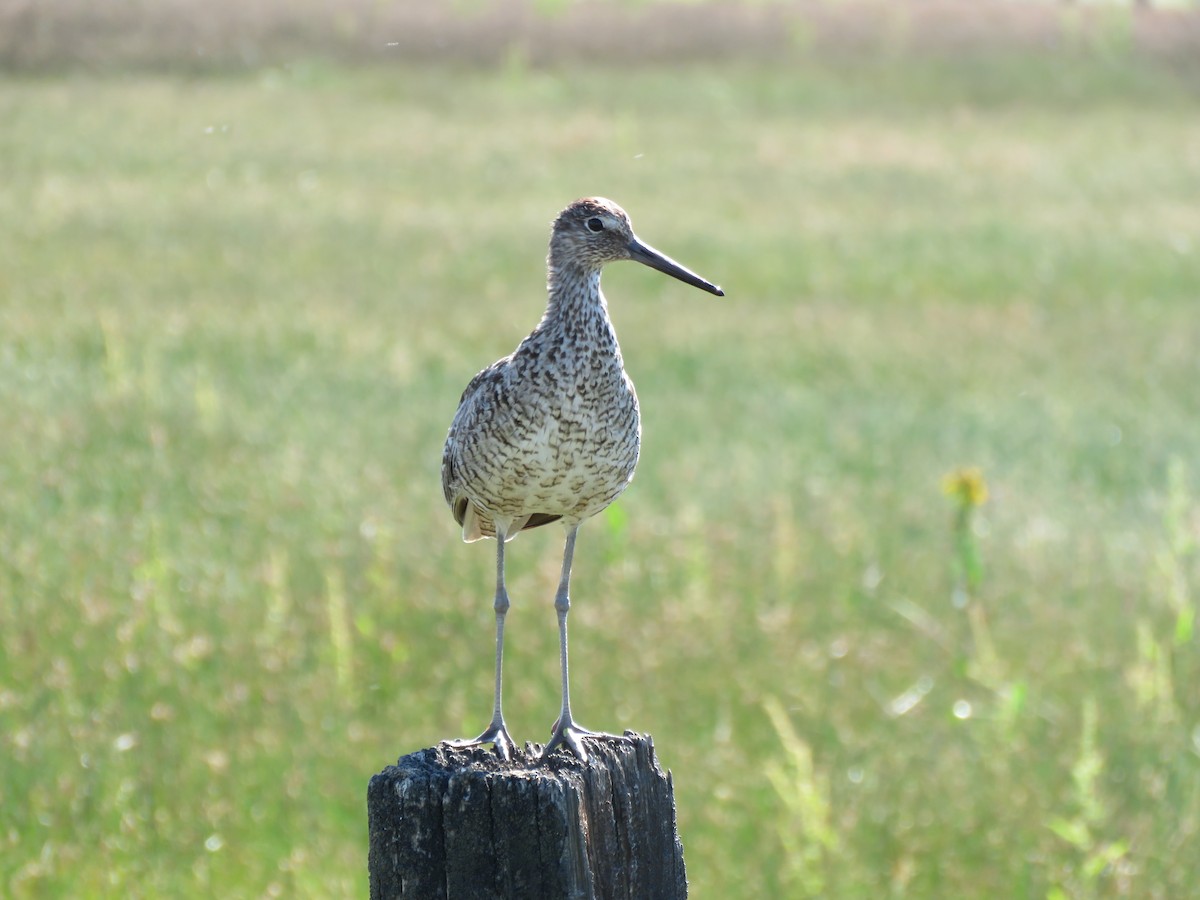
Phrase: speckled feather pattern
(553, 430)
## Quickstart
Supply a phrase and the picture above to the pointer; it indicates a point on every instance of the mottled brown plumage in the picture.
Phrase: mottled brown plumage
(552, 432)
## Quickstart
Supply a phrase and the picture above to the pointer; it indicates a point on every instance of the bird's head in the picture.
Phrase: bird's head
(594, 231)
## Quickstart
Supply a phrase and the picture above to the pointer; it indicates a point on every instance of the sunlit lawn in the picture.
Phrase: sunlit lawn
(236, 314)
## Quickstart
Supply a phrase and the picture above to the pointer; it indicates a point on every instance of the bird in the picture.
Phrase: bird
(552, 432)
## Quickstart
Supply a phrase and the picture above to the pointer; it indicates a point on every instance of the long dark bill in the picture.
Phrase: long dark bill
(648, 256)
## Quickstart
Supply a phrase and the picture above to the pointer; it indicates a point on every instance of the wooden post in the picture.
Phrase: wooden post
(448, 823)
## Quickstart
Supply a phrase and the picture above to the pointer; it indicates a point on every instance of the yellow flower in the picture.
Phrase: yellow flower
(966, 485)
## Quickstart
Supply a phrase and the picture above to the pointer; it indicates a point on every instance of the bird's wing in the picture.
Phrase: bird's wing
(483, 408)
(473, 407)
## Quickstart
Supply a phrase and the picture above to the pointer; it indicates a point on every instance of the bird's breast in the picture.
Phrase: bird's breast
(555, 430)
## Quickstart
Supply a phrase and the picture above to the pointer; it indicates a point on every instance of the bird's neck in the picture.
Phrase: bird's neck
(574, 292)
(576, 314)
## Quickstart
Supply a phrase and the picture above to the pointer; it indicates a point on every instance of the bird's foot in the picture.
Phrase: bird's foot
(496, 734)
(569, 734)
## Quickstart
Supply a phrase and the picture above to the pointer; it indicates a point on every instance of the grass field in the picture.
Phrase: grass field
(236, 314)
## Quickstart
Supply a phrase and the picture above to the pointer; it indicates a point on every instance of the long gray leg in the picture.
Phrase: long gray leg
(496, 732)
(566, 731)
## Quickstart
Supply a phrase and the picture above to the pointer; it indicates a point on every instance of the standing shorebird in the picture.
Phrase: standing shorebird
(552, 432)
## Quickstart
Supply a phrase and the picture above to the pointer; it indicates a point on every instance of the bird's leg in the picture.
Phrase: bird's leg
(496, 732)
(565, 729)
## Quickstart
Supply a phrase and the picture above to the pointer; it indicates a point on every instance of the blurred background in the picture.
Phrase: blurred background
(905, 587)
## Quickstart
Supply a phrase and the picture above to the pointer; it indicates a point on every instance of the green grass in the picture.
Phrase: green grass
(236, 314)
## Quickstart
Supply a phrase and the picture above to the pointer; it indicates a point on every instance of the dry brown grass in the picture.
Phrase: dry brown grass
(189, 34)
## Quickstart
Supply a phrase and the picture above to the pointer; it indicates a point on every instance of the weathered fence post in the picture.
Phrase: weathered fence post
(447, 823)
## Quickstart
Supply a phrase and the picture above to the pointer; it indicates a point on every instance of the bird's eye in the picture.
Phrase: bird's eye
(594, 224)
